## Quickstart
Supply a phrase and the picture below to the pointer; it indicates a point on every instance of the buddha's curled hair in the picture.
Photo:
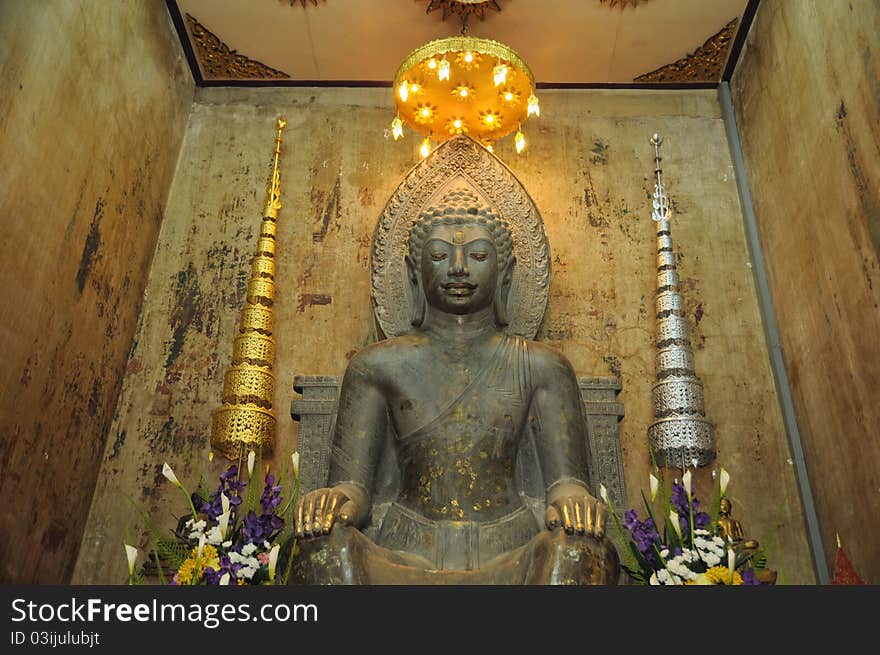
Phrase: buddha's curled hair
(462, 207)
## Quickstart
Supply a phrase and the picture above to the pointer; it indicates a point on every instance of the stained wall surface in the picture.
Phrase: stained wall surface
(808, 108)
(92, 112)
(588, 167)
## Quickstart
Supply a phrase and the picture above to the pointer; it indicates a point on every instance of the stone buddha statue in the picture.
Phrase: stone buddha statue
(457, 394)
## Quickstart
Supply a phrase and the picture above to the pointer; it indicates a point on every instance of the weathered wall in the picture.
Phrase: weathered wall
(588, 168)
(92, 111)
(807, 99)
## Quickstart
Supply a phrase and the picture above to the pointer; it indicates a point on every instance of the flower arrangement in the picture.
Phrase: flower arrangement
(694, 548)
(230, 536)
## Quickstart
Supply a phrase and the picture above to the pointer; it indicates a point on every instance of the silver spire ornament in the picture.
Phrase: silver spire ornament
(680, 435)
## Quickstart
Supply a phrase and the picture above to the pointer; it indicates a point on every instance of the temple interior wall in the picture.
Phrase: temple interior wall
(588, 167)
(807, 99)
(93, 108)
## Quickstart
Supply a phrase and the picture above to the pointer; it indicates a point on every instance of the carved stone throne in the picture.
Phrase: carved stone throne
(460, 161)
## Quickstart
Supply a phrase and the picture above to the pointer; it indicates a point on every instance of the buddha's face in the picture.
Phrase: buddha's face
(459, 268)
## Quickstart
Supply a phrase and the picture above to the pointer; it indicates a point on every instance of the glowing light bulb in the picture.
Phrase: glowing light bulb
(490, 118)
(403, 91)
(468, 57)
(425, 149)
(489, 147)
(508, 96)
(534, 108)
(443, 69)
(414, 88)
(457, 123)
(499, 74)
(397, 128)
(425, 112)
(432, 63)
(463, 92)
(520, 141)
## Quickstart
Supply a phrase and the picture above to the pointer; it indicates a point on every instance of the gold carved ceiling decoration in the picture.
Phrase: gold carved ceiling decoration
(303, 2)
(220, 62)
(704, 63)
(464, 9)
(623, 3)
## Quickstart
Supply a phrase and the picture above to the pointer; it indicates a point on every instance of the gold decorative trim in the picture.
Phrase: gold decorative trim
(463, 8)
(220, 62)
(461, 44)
(705, 64)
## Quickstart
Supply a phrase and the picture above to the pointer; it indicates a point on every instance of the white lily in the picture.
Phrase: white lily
(603, 494)
(169, 473)
(224, 502)
(294, 459)
(131, 553)
(686, 481)
(252, 456)
(273, 561)
(673, 518)
(223, 523)
(731, 561)
(201, 548)
(724, 480)
(224, 579)
(655, 485)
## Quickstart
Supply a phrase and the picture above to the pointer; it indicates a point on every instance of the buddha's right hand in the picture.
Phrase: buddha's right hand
(319, 510)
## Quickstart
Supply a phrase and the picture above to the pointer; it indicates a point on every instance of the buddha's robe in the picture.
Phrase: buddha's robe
(459, 517)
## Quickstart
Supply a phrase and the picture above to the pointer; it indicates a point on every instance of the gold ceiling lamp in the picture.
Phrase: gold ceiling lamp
(246, 419)
(464, 85)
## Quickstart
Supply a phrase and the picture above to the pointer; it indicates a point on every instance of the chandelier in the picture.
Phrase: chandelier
(463, 85)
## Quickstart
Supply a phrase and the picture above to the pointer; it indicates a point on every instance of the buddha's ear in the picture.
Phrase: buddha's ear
(502, 290)
(507, 273)
(411, 269)
(418, 295)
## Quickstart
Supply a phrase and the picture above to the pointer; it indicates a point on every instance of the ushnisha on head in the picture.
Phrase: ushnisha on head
(460, 258)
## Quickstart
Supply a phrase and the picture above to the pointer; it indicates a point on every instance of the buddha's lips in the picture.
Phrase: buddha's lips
(458, 287)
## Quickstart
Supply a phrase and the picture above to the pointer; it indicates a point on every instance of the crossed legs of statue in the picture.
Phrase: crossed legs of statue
(346, 556)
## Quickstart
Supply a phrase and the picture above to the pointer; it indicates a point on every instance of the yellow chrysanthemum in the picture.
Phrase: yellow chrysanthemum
(721, 575)
(188, 570)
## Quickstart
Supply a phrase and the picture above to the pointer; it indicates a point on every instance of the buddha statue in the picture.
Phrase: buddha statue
(731, 530)
(457, 394)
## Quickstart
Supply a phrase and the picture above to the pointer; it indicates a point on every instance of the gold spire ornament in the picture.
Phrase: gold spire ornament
(246, 420)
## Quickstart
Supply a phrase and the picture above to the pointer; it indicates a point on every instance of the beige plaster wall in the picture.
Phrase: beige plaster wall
(807, 99)
(93, 104)
(589, 169)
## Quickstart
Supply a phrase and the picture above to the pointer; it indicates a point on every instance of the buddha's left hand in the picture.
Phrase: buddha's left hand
(571, 507)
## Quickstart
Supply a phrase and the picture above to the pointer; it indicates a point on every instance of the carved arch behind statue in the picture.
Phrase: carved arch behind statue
(460, 161)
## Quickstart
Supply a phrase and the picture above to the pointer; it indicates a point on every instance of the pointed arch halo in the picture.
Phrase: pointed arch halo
(460, 161)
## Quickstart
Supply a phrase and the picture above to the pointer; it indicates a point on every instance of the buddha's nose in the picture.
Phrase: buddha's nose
(458, 263)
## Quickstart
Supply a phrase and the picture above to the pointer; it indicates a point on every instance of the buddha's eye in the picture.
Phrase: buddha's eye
(438, 256)
(479, 256)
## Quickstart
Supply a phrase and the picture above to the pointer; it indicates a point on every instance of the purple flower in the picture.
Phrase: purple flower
(212, 577)
(231, 487)
(257, 529)
(749, 577)
(701, 519)
(679, 500)
(631, 520)
(271, 497)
